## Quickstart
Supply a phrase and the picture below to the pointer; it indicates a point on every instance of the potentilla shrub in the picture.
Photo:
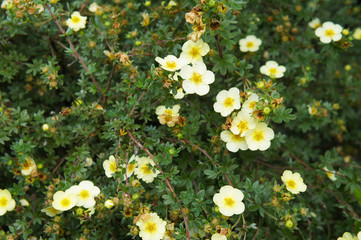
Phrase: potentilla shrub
(180, 119)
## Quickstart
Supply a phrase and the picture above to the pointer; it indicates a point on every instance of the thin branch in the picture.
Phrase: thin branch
(74, 50)
(108, 86)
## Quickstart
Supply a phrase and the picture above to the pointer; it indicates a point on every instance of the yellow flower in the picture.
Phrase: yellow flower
(249, 44)
(24, 202)
(110, 166)
(294, 182)
(227, 101)
(131, 165)
(95, 8)
(64, 201)
(250, 104)
(194, 51)
(28, 167)
(45, 127)
(6, 202)
(109, 204)
(85, 193)
(273, 70)
(196, 78)
(76, 22)
(168, 116)
(229, 201)
(51, 211)
(151, 227)
(315, 23)
(171, 63)
(260, 137)
(218, 236)
(329, 32)
(146, 19)
(242, 123)
(330, 174)
(348, 236)
(357, 34)
(145, 169)
(234, 142)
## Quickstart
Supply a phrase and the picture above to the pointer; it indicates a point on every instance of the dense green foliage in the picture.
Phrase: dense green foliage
(61, 106)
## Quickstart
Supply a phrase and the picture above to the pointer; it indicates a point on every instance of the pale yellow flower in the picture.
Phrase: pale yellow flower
(168, 116)
(6, 3)
(218, 236)
(227, 101)
(95, 8)
(28, 167)
(171, 63)
(45, 127)
(110, 166)
(194, 51)
(151, 227)
(109, 204)
(85, 193)
(293, 181)
(329, 32)
(51, 211)
(273, 70)
(196, 78)
(145, 169)
(348, 236)
(234, 142)
(357, 34)
(260, 137)
(330, 174)
(250, 104)
(64, 201)
(229, 201)
(249, 44)
(6, 202)
(76, 22)
(24, 202)
(315, 23)
(242, 123)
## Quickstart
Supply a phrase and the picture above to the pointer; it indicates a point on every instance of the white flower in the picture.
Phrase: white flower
(76, 22)
(110, 166)
(50, 211)
(234, 142)
(6, 202)
(24, 202)
(359, 235)
(28, 167)
(347, 236)
(40, 8)
(168, 116)
(249, 44)
(179, 95)
(329, 32)
(64, 201)
(227, 101)
(95, 8)
(273, 70)
(130, 166)
(88, 162)
(194, 51)
(145, 169)
(357, 34)
(330, 174)
(151, 227)
(315, 23)
(109, 204)
(85, 193)
(293, 181)
(45, 127)
(6, 3)
(218, 236)
(242, 123)
(250, 104)
(196, 78)
(229, 201)
(171, 63)
(260, 137)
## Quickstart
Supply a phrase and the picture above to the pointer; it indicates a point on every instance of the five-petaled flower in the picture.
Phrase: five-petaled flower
(329, 32)
(6, 202)
(168, 116)
(76, 22)
(293, 181)
(110, 166)
(85, 193)
(145, 169)
(260, 137)
(171, 63)
(249, 44)
(234, 142)
(273, 70)
(151, 227)
(227, 101)
(64, 201)
(229, 201)
(194, 51)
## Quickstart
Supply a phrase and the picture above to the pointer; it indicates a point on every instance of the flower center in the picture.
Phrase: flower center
(171, 64)
(112, 167)
(146, 169)
(151, 227)
(229, 202)
(243, 126)
(273, 71)
(329, 174)
(130, 168)
(3, 202)
(168, 112)
(84, 194)
(252, 105)
(258, 136)
(196, 78)
(228, 102)
(236, 138)
(194, 52)
(75, 19)
(329, 33)
(65, 202)
(291, 184)
(250, 44)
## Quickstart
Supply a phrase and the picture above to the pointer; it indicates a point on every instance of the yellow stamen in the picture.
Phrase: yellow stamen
(250, 44)
(291, 184)
(196, 78)
(194, 52)
(112, 167)
(228, 102)
(146, 169)
(75, 19)
(65, 202)
(151, 227)
(229, 202)
(243, 126)
(3, 202)
(84, 194)
(273, 71)
(171, 64)
(329, 33)
(258, 136)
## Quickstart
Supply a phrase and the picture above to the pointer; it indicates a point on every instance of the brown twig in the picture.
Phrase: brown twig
(258, 227)
(136, 142)
(57, 166)
(209, 157)
(140, 97)
(108, 86)
(83, 6)
(74, 50)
